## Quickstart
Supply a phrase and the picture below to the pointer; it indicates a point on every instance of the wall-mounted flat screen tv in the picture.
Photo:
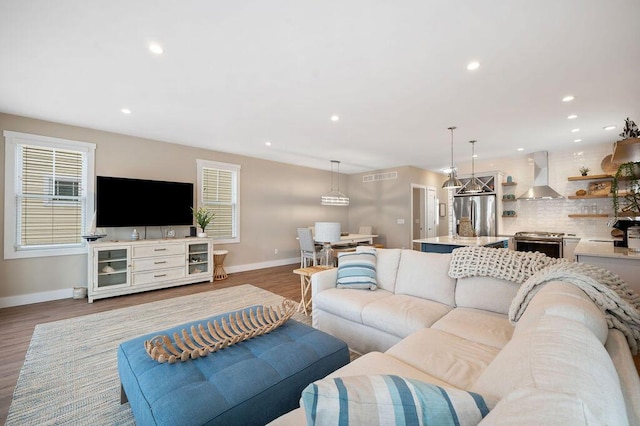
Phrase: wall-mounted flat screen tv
(137, 202)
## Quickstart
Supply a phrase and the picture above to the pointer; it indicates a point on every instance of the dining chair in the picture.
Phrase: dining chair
(308, 250)
(365, 230)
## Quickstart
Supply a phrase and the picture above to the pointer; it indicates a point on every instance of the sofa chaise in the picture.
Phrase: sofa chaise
(559, 363)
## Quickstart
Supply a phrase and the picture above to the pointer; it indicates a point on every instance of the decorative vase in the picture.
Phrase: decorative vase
(466, 230)
(202, 234)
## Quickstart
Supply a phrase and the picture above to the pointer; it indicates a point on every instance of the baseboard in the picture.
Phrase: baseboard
(28, 299)
(67, 293)
(262, 265)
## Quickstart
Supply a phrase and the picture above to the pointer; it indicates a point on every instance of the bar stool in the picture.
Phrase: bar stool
(218, 262)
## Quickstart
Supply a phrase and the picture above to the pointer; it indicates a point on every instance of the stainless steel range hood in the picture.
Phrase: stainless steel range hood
(540, 189)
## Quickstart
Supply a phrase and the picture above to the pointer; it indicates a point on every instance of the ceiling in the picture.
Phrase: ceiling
(236, 74)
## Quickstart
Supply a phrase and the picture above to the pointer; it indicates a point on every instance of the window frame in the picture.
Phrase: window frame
(12, 191)
(235, 170)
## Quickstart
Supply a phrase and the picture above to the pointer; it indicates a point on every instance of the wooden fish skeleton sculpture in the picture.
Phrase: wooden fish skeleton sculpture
(204, 339)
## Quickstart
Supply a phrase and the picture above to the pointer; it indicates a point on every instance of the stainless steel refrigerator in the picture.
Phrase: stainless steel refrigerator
(481, 209)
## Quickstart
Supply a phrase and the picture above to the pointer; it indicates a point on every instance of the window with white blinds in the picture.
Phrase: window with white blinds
(218, 192)
(48, 195)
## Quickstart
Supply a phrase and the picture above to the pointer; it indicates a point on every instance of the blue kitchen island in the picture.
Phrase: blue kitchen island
(448, 243)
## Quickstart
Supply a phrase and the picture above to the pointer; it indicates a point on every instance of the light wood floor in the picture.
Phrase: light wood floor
(17, 323)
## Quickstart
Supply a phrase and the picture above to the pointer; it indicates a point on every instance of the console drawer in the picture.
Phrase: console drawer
(157, 250)
(157, 276)
(157, 263)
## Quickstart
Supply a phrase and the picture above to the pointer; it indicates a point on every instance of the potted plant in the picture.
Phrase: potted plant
(203, 218)
(626, 199)
(584, 170)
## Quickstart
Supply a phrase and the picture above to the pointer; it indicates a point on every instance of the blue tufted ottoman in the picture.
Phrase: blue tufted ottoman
(250, 383)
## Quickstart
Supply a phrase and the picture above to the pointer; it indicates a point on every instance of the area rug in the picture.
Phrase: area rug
(70, 373)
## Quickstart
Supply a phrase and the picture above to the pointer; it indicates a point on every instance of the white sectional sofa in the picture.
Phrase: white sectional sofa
(559, 364)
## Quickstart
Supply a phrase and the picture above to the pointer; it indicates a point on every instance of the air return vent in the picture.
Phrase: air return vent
(380, 176)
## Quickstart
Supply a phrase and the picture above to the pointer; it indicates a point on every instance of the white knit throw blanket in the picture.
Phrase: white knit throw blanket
(619, 303)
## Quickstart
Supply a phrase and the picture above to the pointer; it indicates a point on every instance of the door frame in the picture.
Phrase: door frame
(422, 215)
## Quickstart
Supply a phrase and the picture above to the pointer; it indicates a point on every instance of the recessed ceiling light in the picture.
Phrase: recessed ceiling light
(267, 143)
(575, 130)
(126, 111)
(520, 149)
(568, 98)
(473, 65)
(610, 127)
(475, 155)
(335, 117)
(577, 140)
(572, 116)
(156, 48)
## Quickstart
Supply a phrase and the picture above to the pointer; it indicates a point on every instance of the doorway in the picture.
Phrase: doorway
(424, 213)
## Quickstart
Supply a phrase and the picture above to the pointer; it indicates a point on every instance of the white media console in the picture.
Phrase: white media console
(124, 267)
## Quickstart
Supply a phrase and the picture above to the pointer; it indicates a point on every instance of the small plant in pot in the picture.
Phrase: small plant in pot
(584, 170)
(203, 218)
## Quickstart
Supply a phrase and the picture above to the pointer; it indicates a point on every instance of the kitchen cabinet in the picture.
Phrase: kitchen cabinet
(618, 260)
(568, 247)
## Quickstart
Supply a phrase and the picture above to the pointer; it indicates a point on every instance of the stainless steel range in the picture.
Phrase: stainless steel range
(549, 243)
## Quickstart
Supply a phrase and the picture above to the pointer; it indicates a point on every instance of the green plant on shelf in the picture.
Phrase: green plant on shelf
(629, 202)
(584, 170)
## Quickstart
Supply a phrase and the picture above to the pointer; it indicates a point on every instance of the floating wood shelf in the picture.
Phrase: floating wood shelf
(590, 177)
(509, 200)
(575, 216)
(513, 215)
(509, 184)
(580, 197)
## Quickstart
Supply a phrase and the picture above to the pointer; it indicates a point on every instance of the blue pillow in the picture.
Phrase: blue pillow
(389, 400)
(357, 270)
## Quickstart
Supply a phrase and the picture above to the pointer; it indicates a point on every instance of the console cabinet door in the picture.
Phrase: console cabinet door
(111, 268)
(199, 260)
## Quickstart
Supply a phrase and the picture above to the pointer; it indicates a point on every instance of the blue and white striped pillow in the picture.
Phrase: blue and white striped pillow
(389, 400)
(357, 270)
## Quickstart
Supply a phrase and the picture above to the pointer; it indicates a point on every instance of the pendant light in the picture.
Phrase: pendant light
(453, 182)
(474, 186)
(335, 197)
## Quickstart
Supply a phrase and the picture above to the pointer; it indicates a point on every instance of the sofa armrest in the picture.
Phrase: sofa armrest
(323, 280)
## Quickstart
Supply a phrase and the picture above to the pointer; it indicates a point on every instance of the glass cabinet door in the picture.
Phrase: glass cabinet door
(198, 260)
(112, 267)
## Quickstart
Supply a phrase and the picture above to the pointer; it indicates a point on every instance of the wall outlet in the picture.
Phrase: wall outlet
(275, 251)
(400, 221)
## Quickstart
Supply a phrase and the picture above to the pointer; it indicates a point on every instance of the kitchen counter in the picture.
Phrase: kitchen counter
(618, 260)
(446, 244)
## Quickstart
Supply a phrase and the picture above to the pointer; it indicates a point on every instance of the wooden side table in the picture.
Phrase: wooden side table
(218, 261)
(305, 286)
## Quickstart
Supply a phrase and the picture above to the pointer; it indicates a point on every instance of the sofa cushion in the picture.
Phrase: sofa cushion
(450, 358)
(388, 400)
(425, 275)
(558, 355)
(347, 303)
(387, 261)
(488, 328)
(568, 301)
(487, 293)
(381, 363)
(401, 315)
(357, 270)
(530, 406)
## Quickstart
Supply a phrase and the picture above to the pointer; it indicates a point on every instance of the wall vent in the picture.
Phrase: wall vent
(380, 176)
